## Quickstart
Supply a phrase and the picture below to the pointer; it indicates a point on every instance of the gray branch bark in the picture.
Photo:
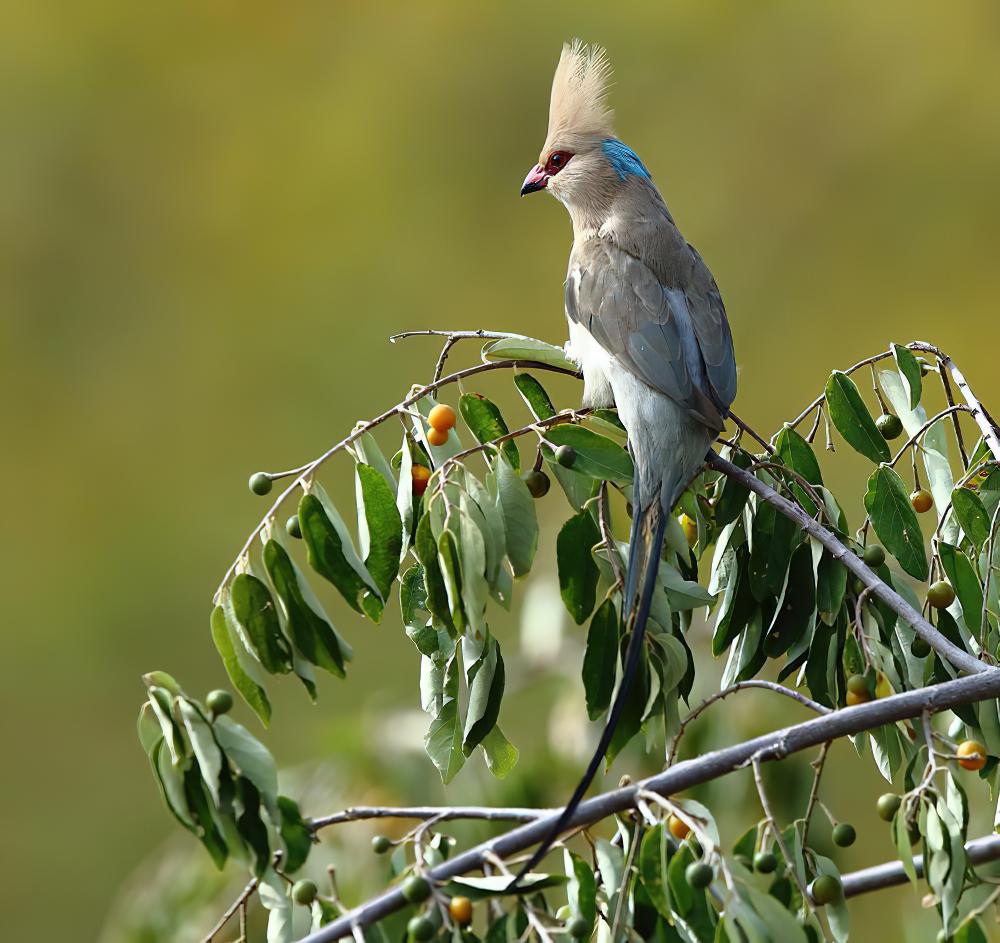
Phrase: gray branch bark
(685, 775)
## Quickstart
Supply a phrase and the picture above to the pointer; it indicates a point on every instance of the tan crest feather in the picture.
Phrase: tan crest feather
(578, 108)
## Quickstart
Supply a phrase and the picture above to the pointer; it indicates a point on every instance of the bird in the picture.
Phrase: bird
(647, 328)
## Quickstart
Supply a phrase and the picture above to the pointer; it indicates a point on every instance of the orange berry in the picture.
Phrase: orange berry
(678, 827)
(971, 755)
(460, 909)
(442, 418)
(437, 436)
(420, 474)
(921, 500)
(853, 698)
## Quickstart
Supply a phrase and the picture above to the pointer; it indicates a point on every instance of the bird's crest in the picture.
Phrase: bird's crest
(579, 108)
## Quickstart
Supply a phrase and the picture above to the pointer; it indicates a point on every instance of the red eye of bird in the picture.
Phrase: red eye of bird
(557, 161)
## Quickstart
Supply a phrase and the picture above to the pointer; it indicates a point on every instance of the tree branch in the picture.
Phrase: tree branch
(891, 873)
(437, 812)
(685, 775)
(952, 653)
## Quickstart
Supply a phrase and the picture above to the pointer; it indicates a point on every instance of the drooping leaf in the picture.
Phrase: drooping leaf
(436, 592)
(909, 370)
(196, 799)
(851, 417)
(895, 521)
(831, 585)
(731, 495)
(380, 531)
(529, 349)
(443, 741)
(962, 575)
(501, 754)
(330, 551)
(249, 756)
(257, 617)
(485, 679)
(596, 455)
(971, 514)
(520, 522)
(599, 665)
(295, 834)
(581, 888)
(312, 634)
(654, 859)
(630, 721)
(486, 421)
(534, 396)
(206, 750)
(773, 539)
(252, 692)
(578, 573)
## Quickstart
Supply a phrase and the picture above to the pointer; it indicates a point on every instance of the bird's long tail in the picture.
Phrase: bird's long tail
(643, 564)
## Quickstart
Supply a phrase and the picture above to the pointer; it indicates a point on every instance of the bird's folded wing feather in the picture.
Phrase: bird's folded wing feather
(675, 339)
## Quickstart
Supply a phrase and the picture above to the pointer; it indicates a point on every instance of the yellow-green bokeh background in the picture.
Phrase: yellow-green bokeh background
(213, 214)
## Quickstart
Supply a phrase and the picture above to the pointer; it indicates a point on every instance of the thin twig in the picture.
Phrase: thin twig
(750, 431)
(958, 426)
(231, 911)
(430, 812)
(304, 471)
(818, 765)
(732, 689)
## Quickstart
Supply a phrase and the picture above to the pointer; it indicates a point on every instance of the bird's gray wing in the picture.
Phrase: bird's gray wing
(675, 339)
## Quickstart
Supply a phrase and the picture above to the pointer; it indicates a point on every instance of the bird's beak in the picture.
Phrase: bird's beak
(536, 180)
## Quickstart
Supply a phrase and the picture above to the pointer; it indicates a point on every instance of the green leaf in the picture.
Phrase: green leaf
(578, 573)
(295, 834)
(519, 520)
(909, 370)
(895, 521)
(249, 756)
(773, 539)
(171, 782)
(527, 348)
(501, 754)
(367, 451)
(443, 741)
(731, 496)
(797, 454)
(971, 514)
(630, 721)
(831, 585)
(851, 417)
(599, 660)
(311, 633)
(970, 931)
(380, 528)
(273, 893)
(534, 396)
(253, 693)
(197, 801)
(485, 420)
(250, 826)
(962, 575)
(330, 552)
(654, 858)
(596, 455)
(257, 617)
(581, 889)
(436, 592)
(485, 679)
(206, 750)
(901, 837)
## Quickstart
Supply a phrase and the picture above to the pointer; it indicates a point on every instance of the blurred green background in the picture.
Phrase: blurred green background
(213, 214)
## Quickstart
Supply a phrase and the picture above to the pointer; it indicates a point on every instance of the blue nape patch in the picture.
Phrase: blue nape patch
(624, 160)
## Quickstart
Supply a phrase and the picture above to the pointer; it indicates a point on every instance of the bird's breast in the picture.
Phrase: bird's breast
(596, 364)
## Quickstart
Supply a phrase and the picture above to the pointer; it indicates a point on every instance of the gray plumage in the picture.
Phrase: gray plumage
(647, 327)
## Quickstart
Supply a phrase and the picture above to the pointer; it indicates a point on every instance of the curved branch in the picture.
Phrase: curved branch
(440, 813)
(685, 775)
(855, 565)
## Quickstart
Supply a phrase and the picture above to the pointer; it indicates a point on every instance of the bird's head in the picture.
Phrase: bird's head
(582, 164)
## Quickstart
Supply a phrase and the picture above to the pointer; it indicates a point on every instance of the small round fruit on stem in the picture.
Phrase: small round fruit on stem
(678, 827)
(940, 594)
(442, 418)
(260, 483)
(566, 456)
(844, 835)
(419, 475)
(219, 702)
(460, 909)
(889, 426)
(304, 892)
(888, 805)
(922, 500)
(874, 555)
(538, 483)
(437, 437)
(690, 527)
(420, 928)
(825, 890)
(971, 755)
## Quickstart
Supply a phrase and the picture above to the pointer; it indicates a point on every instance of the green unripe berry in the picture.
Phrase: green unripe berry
(858, 685)
(764, 862)
(566, 456)
(699, 875)
(580, 928)
(381, 844)
(889, 426)
(874, 555)
(825, 890)
(844, 835)
(887, 806)
(293, 527)
(538, 483)
(920, 647)
(219, 702)
(304, 892)
(940, 594)
(420, 928)
(260, 483)
(416, 889)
